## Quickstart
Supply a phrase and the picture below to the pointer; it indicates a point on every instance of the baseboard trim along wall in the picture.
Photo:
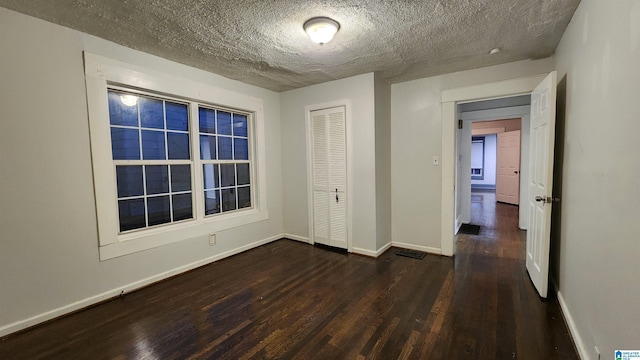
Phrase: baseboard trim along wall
(365, 252)
(78, 305)
(427, 249)
(297, 238)
(573, 330)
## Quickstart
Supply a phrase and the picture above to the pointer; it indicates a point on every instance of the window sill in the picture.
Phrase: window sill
(152, 238)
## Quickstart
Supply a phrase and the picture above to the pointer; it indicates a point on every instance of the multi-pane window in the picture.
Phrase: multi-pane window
(224, 153)
(153, 185)
(152, 158)
(151, 152)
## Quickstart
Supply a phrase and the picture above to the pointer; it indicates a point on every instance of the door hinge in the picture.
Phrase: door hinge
(460, 123)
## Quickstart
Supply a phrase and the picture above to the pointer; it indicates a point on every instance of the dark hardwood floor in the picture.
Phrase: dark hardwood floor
(289, 300)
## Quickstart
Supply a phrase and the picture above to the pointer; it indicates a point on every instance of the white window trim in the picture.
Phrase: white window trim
(101, 72)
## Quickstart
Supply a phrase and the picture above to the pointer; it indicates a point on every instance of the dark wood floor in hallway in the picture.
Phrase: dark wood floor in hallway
(289, 300)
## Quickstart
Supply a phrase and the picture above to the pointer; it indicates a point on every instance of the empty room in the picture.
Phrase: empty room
(209, 179)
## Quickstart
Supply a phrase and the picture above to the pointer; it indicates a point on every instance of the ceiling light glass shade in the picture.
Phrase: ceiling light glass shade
(321, 29)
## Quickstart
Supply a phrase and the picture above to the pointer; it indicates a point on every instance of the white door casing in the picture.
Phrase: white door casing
(543, 112)
(508, 167)
(329, 177)
(450, 98)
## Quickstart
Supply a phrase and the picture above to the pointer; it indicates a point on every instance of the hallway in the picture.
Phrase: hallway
(495, 294)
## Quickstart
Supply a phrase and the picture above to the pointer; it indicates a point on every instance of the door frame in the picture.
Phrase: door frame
(346, 103)
(449, 101)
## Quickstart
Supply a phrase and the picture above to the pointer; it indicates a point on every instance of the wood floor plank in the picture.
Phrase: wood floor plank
(289, 300)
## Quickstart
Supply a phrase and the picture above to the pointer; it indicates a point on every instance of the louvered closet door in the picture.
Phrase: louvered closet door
(329, 177)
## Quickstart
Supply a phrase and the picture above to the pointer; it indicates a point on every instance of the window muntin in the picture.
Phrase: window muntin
(103, 74)
(151, 154)
(226, 166)
(152, 158)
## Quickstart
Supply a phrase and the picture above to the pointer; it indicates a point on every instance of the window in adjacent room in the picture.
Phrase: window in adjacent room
(477, 158)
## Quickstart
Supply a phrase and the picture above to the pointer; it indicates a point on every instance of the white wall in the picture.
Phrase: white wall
(359, 91)
(489, 162)
(383, 162)
(416, 135)
(599, 240)
(49, 247)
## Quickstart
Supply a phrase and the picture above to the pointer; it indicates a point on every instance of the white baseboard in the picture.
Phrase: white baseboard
(370, 253)
(427, 249)
(384, 248)
(303, 239)
(575, 334)
(365, 252)
(52, 314)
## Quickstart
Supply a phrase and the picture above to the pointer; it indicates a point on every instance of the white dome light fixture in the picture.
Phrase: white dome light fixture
(129, 100)
(321, 29)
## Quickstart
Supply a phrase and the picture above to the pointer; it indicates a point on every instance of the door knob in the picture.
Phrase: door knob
(516, 172)
(547, 199)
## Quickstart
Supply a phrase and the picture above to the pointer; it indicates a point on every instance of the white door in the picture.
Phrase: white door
(508, 164)
(543, 118)
(329, 176)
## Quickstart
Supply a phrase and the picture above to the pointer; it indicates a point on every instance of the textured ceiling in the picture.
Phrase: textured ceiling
(262, 42)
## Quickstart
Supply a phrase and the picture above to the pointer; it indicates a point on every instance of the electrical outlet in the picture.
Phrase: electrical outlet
(212, 239)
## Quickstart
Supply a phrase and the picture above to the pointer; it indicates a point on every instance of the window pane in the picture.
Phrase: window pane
(177, 116)
(182, 208)
(151, 113)
(224, 148)
(207, 120)
(178, 146)
(240, 125)
(210, 175)
(180, 178)
(243, 174)
(207, 147)
(228, 200)
(131, 214)
(121, 114)
(227, 175)
(241, 149)
(157, 178)
(159, 210)
(129, 181)
(212, 202)
(224, 123)
(244, 197)
(125, 144)
(153, 145)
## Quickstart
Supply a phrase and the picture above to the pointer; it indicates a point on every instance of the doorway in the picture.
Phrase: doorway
(450, 100)
(492, 153)
(540, 181)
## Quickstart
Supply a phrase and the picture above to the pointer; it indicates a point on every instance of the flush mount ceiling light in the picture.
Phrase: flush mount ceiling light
(129, 100)
(321, 29)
